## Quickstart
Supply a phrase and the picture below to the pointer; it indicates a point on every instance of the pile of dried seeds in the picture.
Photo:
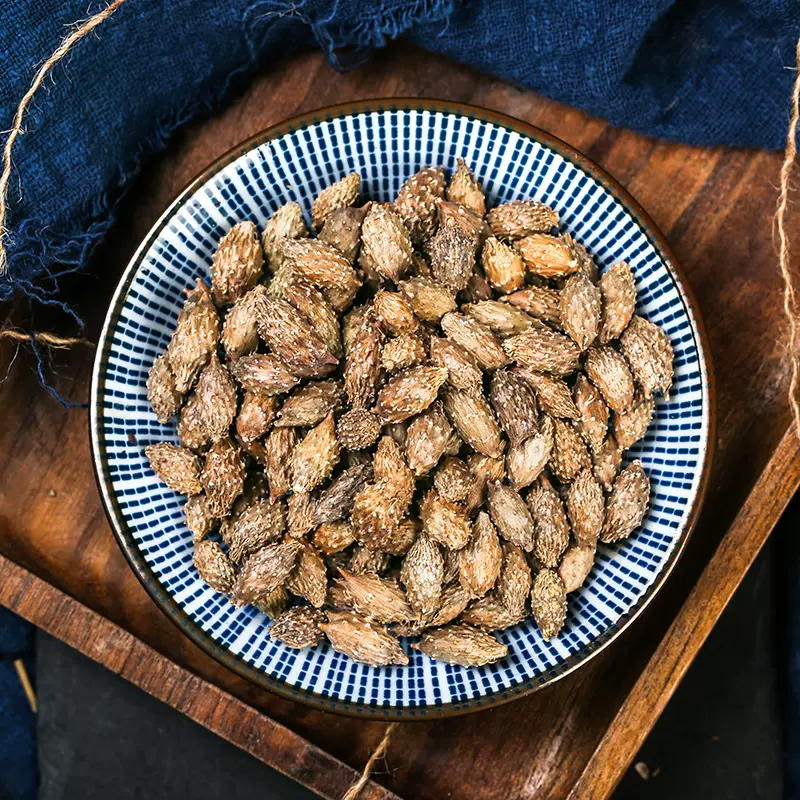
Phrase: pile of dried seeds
(412, 423)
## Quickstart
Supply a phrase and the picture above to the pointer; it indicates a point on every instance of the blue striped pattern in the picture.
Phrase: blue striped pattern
(385, 147)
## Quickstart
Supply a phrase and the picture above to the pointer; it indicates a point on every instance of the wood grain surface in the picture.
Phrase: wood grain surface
(714, 205)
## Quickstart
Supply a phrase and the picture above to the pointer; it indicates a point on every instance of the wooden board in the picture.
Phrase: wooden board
(715, 207)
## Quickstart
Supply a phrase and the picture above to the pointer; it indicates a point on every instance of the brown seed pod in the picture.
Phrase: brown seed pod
(333, 537)
(385, 243)
(592, 421)
(539, 302)
(195, 338)
(618, 290)
(549, 603)
(554, 395)
(363, 367)
(453, 601)
(255, 416)
(362, 640)
(318, 311)
(422, 574)
(358, 429)
(402, 537)
(176, 466)
(299, 515)
(502, 319)
(409, 393)
(265, 571)
(570, 455)
(298, 627)
(342, 230)
(632, 425)
(416, 202)
(394, 313)
(514, 402)
(222, 477)
(377, 598)
(580, 309)
(475, 338)
(337, 500)
(649, 353)
(315, 457)
(286, 223)
(426, 439)
(214, 567)
(526, 462)
(264, 374)
(198, 520)
(390, 466)
(544, 351)
(480, 561)
(309, 579)
(453, 480)
(275, 603)
(216, 399)
(607, 370)
(502, 265)
(326, 268)
(429, 300)
(514, 581)
(164, 398)
(309, 404)
(365, 561)
(586, 264)
(468, 220)
(377, 511)
(475, 422)
(464, 189)
(552, 526)
(278, 450)
(586, 508)
(452, 255)
(484, 469)
(237, 264)
(452, 566)
(293, 340)
(575, 566)
(192, 432)
(510, 514)
(521, 218)
(463, 371)
(262, 522)
(627, 503)
(607, 460)
(547, 256)
(489, 614)
(338, 195)
(461, 644)
(444, 522)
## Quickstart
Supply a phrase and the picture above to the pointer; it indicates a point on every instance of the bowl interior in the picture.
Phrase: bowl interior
(386, 145)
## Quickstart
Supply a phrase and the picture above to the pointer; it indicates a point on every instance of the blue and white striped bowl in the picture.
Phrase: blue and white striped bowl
(386, 142)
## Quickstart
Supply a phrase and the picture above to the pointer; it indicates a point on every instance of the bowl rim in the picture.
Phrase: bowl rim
(192, 629)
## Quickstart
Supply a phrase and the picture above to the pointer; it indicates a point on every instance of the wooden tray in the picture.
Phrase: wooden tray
(64, 571)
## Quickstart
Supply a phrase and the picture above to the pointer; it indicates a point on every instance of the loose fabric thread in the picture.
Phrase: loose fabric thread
(47, 339)
(355, 789)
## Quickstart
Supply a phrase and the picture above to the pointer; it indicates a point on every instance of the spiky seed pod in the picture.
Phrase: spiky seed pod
(309, 404)
(377, 511)
(402, 537)
(649, 353)
(429, 300)
(337, 500)
(547, 256)
(222, 477)
(313, 305)
(580, 310)
(286, 223)
(342, 230)
(422, 574)
(592, 421)
(198, 520)
(176, 466)
(453, 601)
(394, 313)
(363, 367)
(502, 265)
(298, 627)
(416, 202)
(502, 319)
(552, 525)
(161, 392)
(444, 522)
(461, 644)
(538, 301)
(549, 603)
(570, 455)
(358, 429)
(237, 264)
(514, 581)
(475, 338)
(275, 603)
(475, 422)
(463, 370)
(277, 459)
(216, 399)
(264, 374)
(510, 514)
(609, 372)
(575, 566)
(409, 393)
(377, 598)
(192, 432)
(627, 503)
(265, 571)
(489, 614)
(362, 640)
(309, 579)
(240, 329)
(554, 395)
(464, 189)
(214, 566)
(366, 561)
(618, 290)
(315, 457)
(195, 338)
(484, 470)
(468, 220)
(586, 508)
(338, 195)
(607, 460)
(300, 514)
(521, 218)
(453, 480)
(481, 559)
(385, 243)
(406, 351)
(514, 403)
(631, 425)
(526, 462)
(452, 256)
(426, 439)
(544, 351)
(262, 522)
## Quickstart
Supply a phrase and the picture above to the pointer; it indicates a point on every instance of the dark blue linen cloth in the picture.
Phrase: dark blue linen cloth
(701, 72)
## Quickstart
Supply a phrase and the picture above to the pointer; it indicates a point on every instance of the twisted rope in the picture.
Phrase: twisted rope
(355, 789)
